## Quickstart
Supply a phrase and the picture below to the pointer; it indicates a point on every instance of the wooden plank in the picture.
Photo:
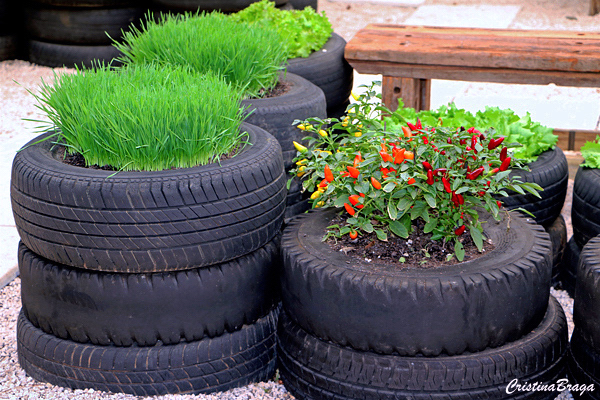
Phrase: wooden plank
(476, 74)
(519, 49)
(415, 93)
(573, 139)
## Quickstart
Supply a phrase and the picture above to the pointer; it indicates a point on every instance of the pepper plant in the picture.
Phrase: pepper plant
(384, 179)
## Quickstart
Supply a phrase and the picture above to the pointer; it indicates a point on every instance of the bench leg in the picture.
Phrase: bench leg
(594, 7)
(414, 92)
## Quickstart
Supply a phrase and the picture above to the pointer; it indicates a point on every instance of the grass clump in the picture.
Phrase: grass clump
(305, 31)
(144, 117)
(249, 57)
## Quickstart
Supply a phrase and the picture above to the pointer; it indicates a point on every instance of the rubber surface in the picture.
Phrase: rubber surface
(204, 366)
(223, 5)
(558, 236)
(447, 310)
(138, 222)
(586, 306)
(585, 210)
(302, 4)
(584, 367)
(551, 172)
(83, 26)
(143, 309)
(276, 114)
(68, 55)
(88, 3)
(329, 70)
(568, 273)
(314, 369)
(296, 201)
(8, 47)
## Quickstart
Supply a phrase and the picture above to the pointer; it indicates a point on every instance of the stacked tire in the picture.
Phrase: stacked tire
(301, 99)
(585, 218)
(551, 172)
(8, 30)
(149, 283)
(584, 360)
(353, 330)
(77, 32)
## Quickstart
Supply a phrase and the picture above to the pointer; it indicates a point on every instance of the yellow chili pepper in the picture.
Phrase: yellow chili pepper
(303, 127)
(358, 134)
(300, 171)
(323, 133)
(354, 96)
(315, 195)
(304, 161)
(299, 147)
(320, 204)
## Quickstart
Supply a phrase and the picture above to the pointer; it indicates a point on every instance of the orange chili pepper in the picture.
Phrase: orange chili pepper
(399, 156)
(354, 172)
(407, 131)
(411, 181)
(353, 199)
(409, 155)
(349, 208)
(328, 174)
(353, 234)
(375, 183)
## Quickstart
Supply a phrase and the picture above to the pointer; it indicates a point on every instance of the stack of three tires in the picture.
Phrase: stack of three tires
(482, 329)
(149, 283)
(78, 32)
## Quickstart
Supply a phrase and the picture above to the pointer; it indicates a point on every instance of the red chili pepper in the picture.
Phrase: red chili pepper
(474, 141)
(426, 165)
(425, 139)
(446, 184)
(439, 171)
(353, 199)
(505, 164)
(503, 153)
(386, 157)
(460, 230)
(328, 174)
(349, 208)
(354, 172)
(411, 126)
(493, 143)
(353, 234)
(449, 141)
(418, 124)
(357, 159)
(411, 181)
(461, 199)
(462, 141)
(499, 203)
(430, 180)
(475, 173)
(454, 198)
(375, 183)
(323, 183)
(481, 193)
(472, 130)
(495, 170)
(443, 152)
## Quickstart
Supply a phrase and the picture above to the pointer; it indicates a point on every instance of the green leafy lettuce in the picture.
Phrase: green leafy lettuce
(305, 31)
(532, 137)
(591, 154)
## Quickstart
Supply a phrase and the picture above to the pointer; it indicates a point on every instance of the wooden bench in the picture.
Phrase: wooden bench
(408, 57)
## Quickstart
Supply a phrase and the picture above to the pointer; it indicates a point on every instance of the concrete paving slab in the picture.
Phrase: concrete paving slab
(473, 16)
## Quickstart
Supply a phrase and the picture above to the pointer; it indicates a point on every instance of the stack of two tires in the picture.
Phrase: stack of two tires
(551, 172)
(584, 360)
(350, 329)
(149, 283)
(78, 32)
(585, 217)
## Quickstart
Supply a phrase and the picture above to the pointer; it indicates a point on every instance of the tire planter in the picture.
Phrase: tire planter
(302, 4)
(83, 26)
(449, 310)
(69, 55)
(568, 268)
(125, 309)
(586, 306)
(8, 47)
(551, 172)
(585, 210)
(296, 201)
(143, 222)
(88, 3)
(210, 5)
(227, 361)
(312, 368)
(584, 368)
(329, 70)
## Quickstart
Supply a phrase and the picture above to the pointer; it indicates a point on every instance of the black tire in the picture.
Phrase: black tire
(568, 268)
(66, 55)
(447, 310)
(328, 69)
(584, 367)
(143, 309)
(8, 47)
(209, 365)
(551, 172)
(209, 5)
(302, 4)
(276, 114)
(558, 236)
(586, 305)
(585, 210)
(80, 26)
(315, 369)
(296, 201)
(88, 3)
(140, 222)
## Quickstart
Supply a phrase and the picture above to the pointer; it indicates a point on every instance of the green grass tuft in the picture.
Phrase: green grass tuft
(144, 117)
(249, 57)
